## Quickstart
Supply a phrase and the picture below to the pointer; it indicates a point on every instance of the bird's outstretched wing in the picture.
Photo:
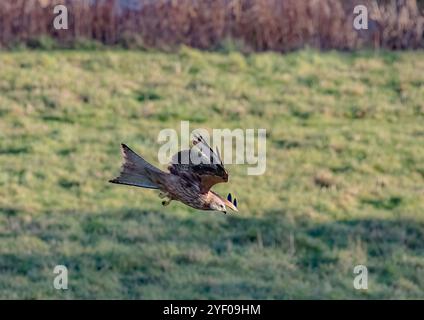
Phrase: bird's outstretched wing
(201, 163)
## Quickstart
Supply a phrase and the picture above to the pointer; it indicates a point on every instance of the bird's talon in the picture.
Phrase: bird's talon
(166, 202)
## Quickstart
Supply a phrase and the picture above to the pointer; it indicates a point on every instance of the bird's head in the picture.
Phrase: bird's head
(220, 204)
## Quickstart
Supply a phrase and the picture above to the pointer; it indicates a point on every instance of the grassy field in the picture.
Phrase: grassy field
(344, 183)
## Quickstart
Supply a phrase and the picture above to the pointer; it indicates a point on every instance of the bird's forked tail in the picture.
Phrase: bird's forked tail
(136, 171)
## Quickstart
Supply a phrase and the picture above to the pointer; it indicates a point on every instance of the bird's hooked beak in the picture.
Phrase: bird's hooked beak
(230, 203)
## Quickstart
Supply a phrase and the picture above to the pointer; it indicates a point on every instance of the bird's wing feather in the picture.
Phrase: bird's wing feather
(208, 167)
(207, 151)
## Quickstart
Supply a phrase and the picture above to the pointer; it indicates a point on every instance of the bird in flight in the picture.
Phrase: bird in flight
(187, 181)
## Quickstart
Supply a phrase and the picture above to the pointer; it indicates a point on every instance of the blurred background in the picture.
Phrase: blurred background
(343, 109)
(254, 25)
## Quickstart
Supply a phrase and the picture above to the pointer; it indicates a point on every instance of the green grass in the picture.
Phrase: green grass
(344, 183)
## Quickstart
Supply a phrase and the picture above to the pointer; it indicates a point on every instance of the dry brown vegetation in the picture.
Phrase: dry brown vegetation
(280, 25)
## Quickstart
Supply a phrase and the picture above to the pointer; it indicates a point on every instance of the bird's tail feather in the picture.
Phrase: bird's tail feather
(136, 171)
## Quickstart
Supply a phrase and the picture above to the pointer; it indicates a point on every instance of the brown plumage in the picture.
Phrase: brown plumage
(189, 183)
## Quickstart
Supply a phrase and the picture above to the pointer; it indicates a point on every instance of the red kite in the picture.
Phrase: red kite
(189, 183)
